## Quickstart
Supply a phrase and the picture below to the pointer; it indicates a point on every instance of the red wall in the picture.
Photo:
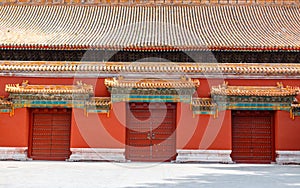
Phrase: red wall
(202, 131)
(205, 84)
(98, 130)
(14, 130)
(287, 131)
(198, 132)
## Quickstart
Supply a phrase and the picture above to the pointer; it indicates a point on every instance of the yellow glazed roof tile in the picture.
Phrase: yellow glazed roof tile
(203, 102)
(278, 90)
(99, 101)
(80, 88)
(151, 27)
(152, 83)
(151, 67)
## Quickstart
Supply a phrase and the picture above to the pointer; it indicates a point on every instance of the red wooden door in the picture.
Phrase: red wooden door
(150, 133)
(50, 134)
(253, 137)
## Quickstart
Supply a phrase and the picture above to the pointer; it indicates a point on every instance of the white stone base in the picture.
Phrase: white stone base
(219, 156)
(97, 154)
(288, 157)
(13, 153)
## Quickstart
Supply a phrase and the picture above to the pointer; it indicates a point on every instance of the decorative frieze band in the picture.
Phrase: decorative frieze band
(54, 96)
(6, 106)
(223, 97)
(151, 90)
(98, 105)
(204, 106)
(254, 97)
(113, 69)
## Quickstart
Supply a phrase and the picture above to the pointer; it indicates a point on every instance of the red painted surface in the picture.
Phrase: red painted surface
(98, 130)
(287, 131)
(14, 130)
(253, 136)
(150, 133)
(203, 131)
(205, 84)
(50, 134)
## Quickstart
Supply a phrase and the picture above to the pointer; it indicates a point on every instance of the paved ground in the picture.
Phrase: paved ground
(42, 174)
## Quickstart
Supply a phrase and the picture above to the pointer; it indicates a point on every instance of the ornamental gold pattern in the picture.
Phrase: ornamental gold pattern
(152, 83)
(80, 88)
(266, 91)
(262, 69)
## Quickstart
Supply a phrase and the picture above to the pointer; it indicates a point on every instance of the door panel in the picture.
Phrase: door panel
(150, 133)
(50, 134)
(253, 136)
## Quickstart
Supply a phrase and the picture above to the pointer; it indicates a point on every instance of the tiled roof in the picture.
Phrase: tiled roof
(152, 83)
(150, 28)
(297, 105)
(49, 89)
(4, 103)
(98, 105)
(158, 2)
(6, 106)
(271, 91)
(99, 101)
(204, 106)
(150, 67)
(203, 102)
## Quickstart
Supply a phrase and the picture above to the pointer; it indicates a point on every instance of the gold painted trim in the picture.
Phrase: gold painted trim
(150, 67)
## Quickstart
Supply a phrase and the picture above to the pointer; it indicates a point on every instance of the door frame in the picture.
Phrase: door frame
(30, 132)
